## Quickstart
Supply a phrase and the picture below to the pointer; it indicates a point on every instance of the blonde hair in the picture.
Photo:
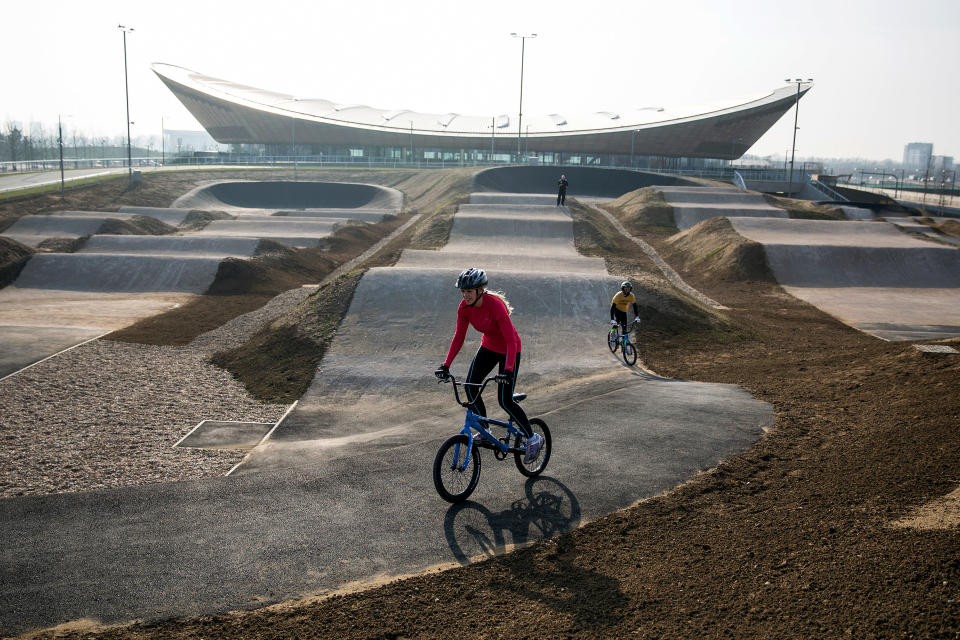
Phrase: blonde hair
(502, 298)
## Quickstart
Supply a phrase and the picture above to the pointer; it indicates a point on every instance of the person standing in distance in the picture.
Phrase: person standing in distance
(621, 302)
(489, 313)
(562, 190)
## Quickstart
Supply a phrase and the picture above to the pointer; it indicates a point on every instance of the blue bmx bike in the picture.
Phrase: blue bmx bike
(456, 469)
(621, 341)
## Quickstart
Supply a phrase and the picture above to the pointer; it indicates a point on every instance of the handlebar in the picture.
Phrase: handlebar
(456, 383)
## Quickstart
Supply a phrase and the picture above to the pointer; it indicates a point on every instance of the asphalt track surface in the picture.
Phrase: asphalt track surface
(692, 205)
(355, 501)
(870, 275)
(62, 299)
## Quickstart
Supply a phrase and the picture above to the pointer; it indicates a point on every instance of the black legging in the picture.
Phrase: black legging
(481, 367)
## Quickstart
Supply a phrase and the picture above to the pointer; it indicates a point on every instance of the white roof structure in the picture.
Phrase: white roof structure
(233, 113)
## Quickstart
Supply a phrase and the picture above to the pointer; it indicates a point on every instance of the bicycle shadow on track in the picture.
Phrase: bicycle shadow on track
(474, 532)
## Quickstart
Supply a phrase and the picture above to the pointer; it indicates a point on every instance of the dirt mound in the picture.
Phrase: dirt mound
(197, 220)
(641, 209)
(806, 209)
(13, 257)
(136, 226)
(714, 248)
(278, 363)
(948, 227)
(62, 245)
(267, 247)
(662, 307)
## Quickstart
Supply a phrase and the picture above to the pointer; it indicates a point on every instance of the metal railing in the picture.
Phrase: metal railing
(727, 174)
(826, 190)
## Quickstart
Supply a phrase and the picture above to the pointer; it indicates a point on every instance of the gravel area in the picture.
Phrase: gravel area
(107, 414)
(242, 328)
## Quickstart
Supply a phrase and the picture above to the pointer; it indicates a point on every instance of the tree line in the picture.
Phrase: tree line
(40, 144)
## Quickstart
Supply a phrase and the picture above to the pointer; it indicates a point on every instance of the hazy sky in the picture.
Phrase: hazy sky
(885, 71)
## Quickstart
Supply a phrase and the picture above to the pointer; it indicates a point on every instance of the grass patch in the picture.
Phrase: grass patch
(54, 188)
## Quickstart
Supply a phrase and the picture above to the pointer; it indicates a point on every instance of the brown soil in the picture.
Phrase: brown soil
(712, 246)
(806, 209)
(279, 362)
(801, 536)
(13, 257)
(641, 209)
(948, 227)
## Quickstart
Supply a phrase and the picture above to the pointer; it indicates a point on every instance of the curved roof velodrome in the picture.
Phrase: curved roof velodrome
(238, 114)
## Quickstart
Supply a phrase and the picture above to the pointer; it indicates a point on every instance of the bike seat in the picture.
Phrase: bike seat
(518, 397)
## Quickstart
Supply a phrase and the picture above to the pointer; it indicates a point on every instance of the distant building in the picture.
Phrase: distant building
(941, 163)
(916, 155)
(233, 113)
(186, 142)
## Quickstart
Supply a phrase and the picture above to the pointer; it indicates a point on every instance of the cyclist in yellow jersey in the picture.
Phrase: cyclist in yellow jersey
(621, 302)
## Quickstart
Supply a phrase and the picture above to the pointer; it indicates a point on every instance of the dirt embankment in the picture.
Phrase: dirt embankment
(661, 304)
(713, 248)
(643, 210)
(278, 363)
(13, 257)
(806, 209)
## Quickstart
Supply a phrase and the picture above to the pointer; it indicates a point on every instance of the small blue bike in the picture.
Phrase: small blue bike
(617, 340)
(456, 469)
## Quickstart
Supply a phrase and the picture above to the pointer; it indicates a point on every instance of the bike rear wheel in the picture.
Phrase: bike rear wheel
(454, 476)
(613, 339)
(629, 354)
(536, 466)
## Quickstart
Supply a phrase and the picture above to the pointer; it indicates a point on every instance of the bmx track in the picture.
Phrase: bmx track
(110, 281)
(341, 493)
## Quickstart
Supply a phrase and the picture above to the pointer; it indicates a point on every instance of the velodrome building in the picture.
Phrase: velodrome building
(234, 113)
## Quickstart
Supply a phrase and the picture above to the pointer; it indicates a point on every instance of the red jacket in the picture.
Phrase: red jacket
(493, 321)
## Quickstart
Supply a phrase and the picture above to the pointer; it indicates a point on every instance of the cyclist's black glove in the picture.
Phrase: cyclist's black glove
(442, 372)
(504, 378)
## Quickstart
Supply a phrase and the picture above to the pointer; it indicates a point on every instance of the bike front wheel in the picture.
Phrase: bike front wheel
(454, 475)
(629, 354)
(613, 340)
(538, 464)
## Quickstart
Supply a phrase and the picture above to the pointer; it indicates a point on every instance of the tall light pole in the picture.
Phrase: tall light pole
(796, 115)
(60, 144)
(523, 44)
(126, 88)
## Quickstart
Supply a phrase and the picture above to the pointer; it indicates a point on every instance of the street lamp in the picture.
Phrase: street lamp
(523, 43)
(796, 115)
(60, 144)
(126, 88)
